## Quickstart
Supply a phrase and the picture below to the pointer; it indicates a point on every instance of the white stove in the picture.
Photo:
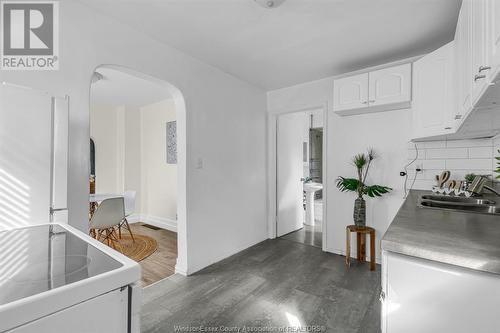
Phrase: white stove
(53, 278)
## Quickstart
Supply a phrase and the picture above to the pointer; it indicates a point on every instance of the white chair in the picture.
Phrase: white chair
(108, 215)
(129, 198)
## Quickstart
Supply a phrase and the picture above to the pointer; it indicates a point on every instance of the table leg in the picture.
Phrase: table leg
(358, 245)
(372, 250)
(363, 247)
(348, 247)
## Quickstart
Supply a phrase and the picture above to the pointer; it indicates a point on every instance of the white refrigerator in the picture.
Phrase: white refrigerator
(33, 157)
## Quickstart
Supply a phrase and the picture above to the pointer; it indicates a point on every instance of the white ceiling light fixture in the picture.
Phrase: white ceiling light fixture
(270, 3)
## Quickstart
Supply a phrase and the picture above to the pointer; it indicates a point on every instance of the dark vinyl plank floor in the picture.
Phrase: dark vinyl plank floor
(276, 283)
(309, 235)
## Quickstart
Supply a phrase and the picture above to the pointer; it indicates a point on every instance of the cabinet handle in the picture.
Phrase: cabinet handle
(365, 102)
(478, 77)
(447, 128)
(483, 68)
(381, 296)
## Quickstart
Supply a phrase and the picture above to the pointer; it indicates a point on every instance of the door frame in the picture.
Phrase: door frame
(272, 197)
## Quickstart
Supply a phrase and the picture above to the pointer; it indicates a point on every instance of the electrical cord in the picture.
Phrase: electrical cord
(405, 189)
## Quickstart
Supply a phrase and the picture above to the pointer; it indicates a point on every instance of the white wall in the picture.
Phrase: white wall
(460, 157)
(225, 121)
(105, 130)
(158, 179)
(387, 132)
(132, 161)
(130, 145)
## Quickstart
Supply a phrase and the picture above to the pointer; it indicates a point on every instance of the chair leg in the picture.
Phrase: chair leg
(108, 238)
(116, 242)
(129, 230)
(120, 230)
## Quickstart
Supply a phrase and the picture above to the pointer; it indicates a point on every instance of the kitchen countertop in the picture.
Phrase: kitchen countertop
(463, 239)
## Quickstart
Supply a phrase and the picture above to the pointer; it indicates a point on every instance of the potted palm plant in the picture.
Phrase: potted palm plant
(362, 162)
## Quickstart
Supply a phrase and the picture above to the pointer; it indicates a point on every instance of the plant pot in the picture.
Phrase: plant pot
(359, 214)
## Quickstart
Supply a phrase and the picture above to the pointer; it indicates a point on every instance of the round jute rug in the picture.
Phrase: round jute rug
(142, 248)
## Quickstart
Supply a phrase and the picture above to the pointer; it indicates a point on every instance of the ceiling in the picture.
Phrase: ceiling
(299, 41)
(121, 89)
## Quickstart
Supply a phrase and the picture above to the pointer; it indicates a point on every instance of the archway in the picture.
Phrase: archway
(180, 110)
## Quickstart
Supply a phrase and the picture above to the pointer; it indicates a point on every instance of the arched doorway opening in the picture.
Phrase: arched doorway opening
(161, 119)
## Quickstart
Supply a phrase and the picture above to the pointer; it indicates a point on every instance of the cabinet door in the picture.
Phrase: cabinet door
(390, 85)
(105, 313)
(427, 296)
(433, 101)
(493, 24)
(463, 50)
(350, 92)
(479, 48)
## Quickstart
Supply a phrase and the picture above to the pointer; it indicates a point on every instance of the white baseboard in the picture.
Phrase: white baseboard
(160, 222)
(134, 218)
(180, 268)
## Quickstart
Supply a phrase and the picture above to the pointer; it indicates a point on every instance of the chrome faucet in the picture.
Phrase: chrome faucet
(478, 184)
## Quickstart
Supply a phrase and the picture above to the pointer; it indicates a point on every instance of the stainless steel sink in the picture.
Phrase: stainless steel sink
(471, 205)
(478, 201)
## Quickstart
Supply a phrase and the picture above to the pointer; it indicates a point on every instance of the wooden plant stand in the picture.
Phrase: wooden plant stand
(361, 244)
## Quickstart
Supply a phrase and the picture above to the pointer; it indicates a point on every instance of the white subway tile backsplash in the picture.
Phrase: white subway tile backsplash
(496, 140)
(469, 164)
(460, 157)
(446, 153)
(421, 184)
(419, 175)
(419, 154)
(434, 144)
(434, 164)
(481, 152)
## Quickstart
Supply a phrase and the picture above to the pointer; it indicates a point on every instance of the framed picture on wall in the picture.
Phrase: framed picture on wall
(172, 142)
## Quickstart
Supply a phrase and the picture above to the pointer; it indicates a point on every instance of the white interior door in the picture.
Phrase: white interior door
(290, 213)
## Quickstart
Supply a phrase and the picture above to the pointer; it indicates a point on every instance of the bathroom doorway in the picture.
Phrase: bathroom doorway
(299, 176)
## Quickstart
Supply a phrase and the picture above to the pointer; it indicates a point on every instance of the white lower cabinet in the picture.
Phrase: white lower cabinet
(103, 314)
(426, 296)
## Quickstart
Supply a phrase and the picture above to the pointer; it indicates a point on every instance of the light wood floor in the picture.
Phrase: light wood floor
(160, 264)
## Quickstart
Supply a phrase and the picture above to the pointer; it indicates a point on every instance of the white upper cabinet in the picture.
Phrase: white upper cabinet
(493, 37)
(480, 67)
(469, 81)
(351, 92)
(390, 85)
(434, 98)
(381, 90)
(463, 60)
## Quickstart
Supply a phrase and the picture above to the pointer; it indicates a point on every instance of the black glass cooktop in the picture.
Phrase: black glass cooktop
(41, 258)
